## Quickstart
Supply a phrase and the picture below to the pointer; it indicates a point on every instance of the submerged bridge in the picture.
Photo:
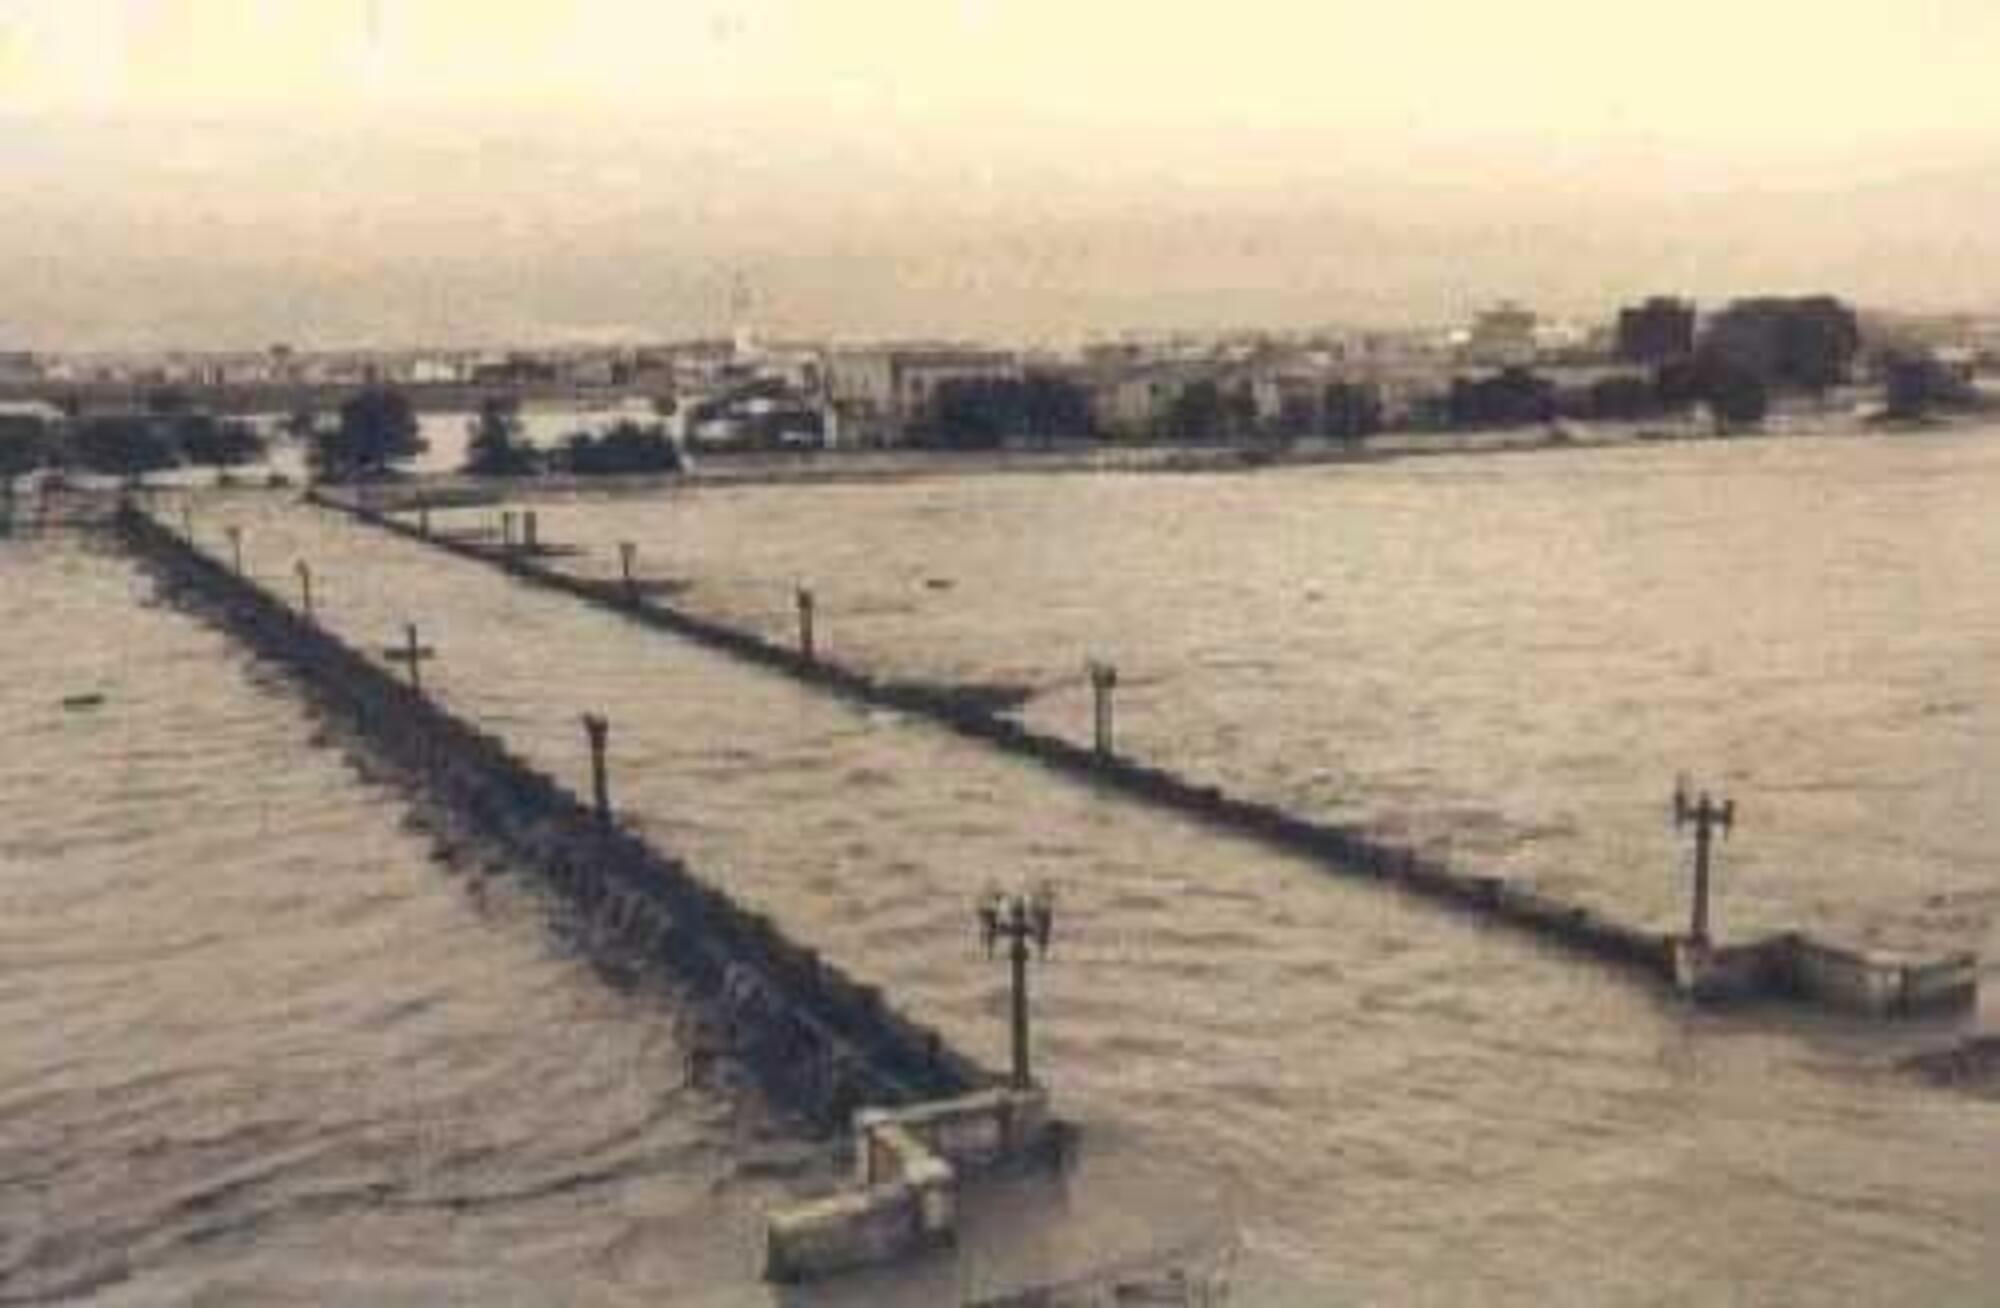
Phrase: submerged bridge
(824, 1042)
(826, 1045)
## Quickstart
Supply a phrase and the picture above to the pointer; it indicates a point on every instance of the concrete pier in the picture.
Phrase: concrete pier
(909, 1165)
(1796, 967)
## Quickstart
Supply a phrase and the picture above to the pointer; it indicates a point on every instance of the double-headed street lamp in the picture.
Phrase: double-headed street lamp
(1019, 919)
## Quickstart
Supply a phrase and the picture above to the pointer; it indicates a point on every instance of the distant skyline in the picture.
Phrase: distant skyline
(330, 172)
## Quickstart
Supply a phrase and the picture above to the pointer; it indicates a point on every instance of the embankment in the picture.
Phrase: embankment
(819, 1040)
(1338, 848)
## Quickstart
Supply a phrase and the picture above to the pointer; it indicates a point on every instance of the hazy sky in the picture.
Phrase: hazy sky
(235, 171)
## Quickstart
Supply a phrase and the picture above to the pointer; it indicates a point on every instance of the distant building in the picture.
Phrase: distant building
(1658, 331)
(881, 392)
(1503, 337)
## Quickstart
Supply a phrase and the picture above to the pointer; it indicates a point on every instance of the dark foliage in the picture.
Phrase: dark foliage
(123, 445)
(26, 443)
(1737, 397)
(496, 448)
(984, 412)
(1514, 397)
(217, 442)
(1351, 411)
(377, 429)
(628, 447)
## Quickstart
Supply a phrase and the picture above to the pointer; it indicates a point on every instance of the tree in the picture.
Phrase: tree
(1239, 411)
(983, 412)
(1054, 407)
(1352, 411)
(970, 413)
(628, 447)
(1915, 384)
(24, 445)
(124, 445)
(1737, 397)
(1677, 384)
(1196, 414)
(1513, 397)
(217, 442)
(377, 428)
(496, 448)
(1622, 397)
(1808, 342)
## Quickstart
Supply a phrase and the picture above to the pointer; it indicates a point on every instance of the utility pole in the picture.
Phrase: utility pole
(598, 729)
(413, 652)
(1103, 680)
(1018, 919)
(1706, 816)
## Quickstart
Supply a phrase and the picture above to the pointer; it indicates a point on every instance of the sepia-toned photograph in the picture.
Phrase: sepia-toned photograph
(999, 654)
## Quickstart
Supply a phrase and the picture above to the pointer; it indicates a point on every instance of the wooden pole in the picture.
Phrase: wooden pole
(235, 534)
(305, 572)
(626, 551)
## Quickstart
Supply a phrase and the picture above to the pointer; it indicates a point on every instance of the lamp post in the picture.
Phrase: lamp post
(1019, 919)
(1103, 680)
(1706, 816)
(598, 729)
(804, 600)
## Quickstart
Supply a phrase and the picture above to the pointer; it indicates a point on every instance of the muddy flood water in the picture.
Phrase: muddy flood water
(256, 1045)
